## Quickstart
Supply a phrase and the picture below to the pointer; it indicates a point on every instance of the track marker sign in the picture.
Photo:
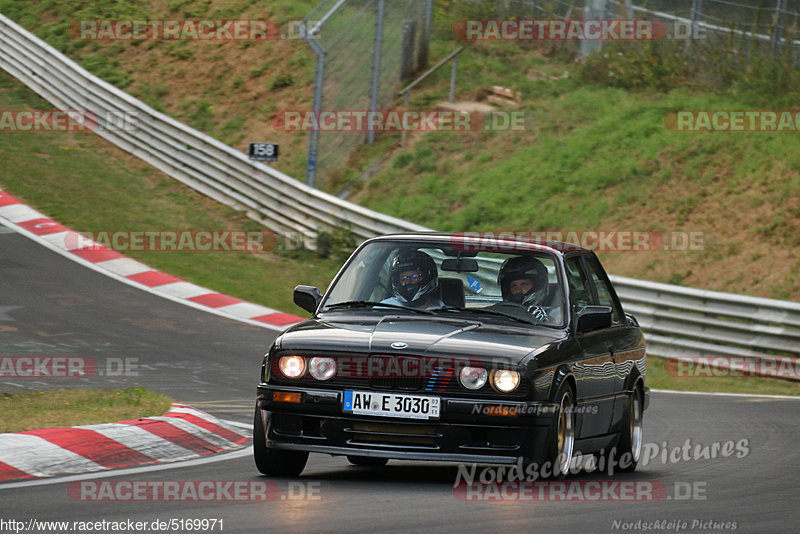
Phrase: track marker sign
(263, 151)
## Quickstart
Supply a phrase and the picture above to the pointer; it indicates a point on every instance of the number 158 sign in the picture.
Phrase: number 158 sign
(264, 151)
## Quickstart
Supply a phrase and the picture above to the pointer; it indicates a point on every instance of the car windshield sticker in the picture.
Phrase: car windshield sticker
(474, 284)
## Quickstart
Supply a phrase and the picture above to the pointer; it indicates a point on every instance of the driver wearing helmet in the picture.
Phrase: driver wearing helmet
(523, 280)
(415, 281)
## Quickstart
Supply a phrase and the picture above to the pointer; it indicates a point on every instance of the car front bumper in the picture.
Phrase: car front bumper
(469, 430)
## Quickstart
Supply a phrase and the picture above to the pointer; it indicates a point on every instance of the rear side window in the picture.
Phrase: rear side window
(601, 285)
(579, 294)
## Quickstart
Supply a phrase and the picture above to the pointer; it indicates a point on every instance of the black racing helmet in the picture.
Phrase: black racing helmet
(519, 268)
(415, 291)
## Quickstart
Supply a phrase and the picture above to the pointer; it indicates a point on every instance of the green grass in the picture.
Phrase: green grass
(29, 411)
(582, 144)
(659, 378)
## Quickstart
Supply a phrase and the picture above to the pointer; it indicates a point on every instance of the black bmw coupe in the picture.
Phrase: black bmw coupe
(456, 347)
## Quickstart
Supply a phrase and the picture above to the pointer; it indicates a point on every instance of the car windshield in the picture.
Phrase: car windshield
(434, 279)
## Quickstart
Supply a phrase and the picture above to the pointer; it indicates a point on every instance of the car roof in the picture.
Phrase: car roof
(487, 241)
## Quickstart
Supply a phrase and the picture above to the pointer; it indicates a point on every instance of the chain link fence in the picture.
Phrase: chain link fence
(364, 50)
(737, 29)
(740, 28)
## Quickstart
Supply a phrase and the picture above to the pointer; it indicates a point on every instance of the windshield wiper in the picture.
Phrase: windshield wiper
(369, 303)
(490, 312)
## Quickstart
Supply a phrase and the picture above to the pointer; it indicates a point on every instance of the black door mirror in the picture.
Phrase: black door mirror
(594, 318)
(307, 297)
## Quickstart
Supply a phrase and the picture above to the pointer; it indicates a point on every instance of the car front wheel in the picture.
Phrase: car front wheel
(273, 462)
(562, 439)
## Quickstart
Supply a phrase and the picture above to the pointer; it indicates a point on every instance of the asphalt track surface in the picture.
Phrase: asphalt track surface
(51, 306)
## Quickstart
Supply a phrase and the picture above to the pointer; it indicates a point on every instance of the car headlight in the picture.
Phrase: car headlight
(504, 380)
(292, 366)
(322, 368)
(473, 378)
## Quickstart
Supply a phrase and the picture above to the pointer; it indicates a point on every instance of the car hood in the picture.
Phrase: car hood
(422, 336)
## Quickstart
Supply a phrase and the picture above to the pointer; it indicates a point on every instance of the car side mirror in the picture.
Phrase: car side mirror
(307, 297)
(594, 318)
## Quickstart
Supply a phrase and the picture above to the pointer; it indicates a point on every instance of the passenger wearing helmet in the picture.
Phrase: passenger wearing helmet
(415, 281)
(523, 280)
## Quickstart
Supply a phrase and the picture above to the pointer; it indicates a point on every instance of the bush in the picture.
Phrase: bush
(338, 243)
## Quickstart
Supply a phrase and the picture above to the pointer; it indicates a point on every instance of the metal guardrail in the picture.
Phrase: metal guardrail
(679, 322)
(683, 323)
(213, 168)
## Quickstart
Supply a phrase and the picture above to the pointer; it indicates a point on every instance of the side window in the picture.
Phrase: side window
(603, 291)
(579, 294)
(382, 288)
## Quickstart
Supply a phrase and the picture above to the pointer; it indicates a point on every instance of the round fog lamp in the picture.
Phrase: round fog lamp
(505, 380)
(322, 368)
(473, 378)
(292, 366)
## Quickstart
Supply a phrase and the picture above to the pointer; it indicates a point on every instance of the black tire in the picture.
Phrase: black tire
(562, 434)
(629, 446)
(274, 462)
(367, 461)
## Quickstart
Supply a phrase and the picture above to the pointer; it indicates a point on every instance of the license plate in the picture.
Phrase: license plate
(391, 405)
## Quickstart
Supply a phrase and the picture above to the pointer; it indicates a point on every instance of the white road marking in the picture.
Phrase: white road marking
(246, 309)
(751, 395)
(59, 239)
(17, 213)
(247, 451)
(25, 452)
(124, 266)
(184, 290)
(141, 440)
(198, 431)
(247, 426)
(180, 408)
